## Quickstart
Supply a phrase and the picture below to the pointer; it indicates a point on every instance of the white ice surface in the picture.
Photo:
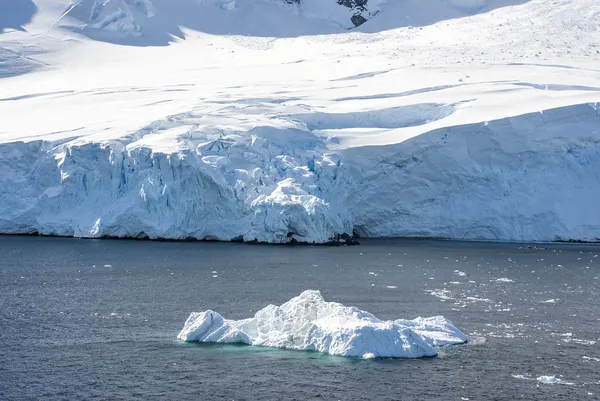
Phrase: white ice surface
(259, 120)
(548, 379)
(309, 323)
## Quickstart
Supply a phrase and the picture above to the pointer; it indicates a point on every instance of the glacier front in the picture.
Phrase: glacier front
(309, 323)
(276, 179)
(269, 121)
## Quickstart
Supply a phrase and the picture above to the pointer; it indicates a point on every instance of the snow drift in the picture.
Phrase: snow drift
(309, 323)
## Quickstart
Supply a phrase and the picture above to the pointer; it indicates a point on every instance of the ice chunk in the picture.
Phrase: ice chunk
(309, 323)
(548, 379)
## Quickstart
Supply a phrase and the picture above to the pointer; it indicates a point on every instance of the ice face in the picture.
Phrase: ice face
(280, 183)
(309, 323)
(403, 139)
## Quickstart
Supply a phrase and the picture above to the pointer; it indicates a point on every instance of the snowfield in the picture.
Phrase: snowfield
(309, 323)
(273, 121)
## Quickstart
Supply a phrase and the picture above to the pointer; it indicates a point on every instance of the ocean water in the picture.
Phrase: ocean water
(98, 319)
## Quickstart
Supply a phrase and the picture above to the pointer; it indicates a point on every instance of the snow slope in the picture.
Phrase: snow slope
(309, 323)
(262, 120)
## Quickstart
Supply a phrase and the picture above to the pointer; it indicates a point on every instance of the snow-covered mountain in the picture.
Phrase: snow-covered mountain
(103, 19)
(277, 120)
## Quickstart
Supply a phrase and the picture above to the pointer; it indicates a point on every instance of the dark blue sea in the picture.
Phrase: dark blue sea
(98, 319)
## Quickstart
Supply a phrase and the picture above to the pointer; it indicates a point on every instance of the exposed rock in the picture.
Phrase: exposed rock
(353, 4)
(361, 12)
(343, 239)
(358, 19)
(359, 8)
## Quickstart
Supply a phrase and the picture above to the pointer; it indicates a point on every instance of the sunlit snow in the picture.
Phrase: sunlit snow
(274, 121)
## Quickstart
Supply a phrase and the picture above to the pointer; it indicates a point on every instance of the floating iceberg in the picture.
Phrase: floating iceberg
(309, 323)
(548, 379)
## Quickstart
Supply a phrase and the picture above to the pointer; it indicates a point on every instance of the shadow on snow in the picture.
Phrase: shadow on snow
(266, 19)
(16, 13)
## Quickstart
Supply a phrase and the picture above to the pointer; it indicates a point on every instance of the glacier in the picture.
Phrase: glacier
(263, 121)
(309, 323)
(223, 187)
(277, 184)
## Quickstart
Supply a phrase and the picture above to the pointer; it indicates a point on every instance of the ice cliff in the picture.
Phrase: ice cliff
(529, 177)
(269, 185)
(309, 323)
(491, 180)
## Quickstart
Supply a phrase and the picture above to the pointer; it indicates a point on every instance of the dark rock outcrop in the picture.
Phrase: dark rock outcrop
(359, 7)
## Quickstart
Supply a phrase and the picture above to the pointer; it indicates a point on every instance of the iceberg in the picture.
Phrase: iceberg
(309, 323)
